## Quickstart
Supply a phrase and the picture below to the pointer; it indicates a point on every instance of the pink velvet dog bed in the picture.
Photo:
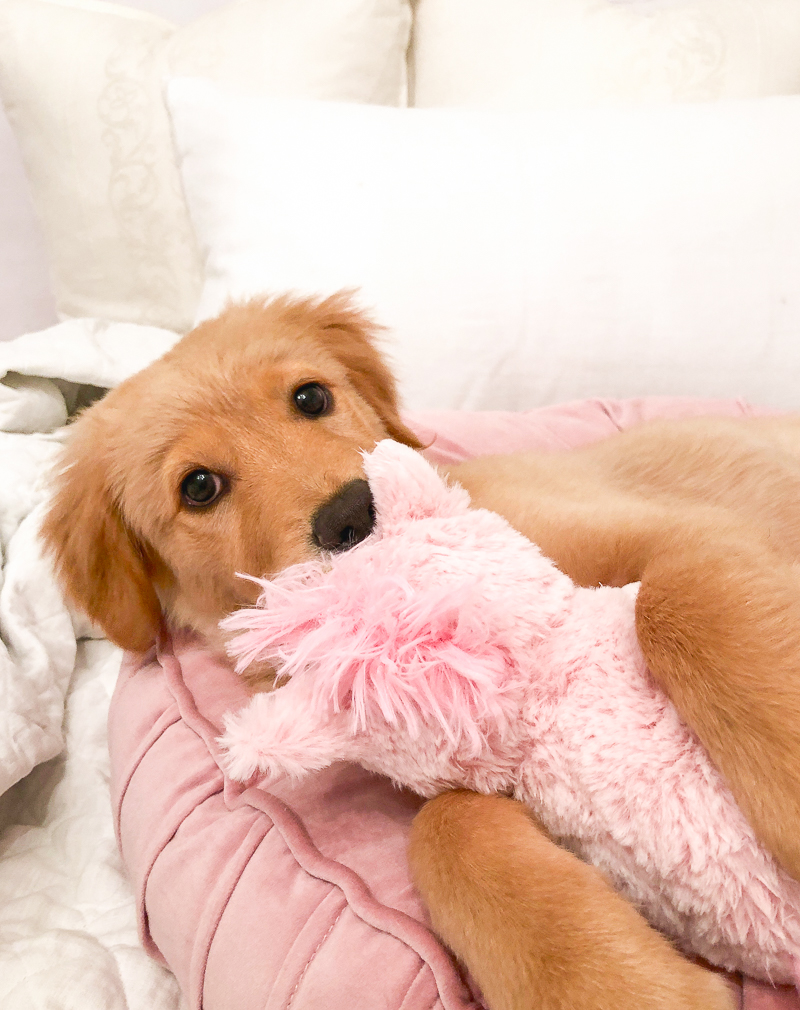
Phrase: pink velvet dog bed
(300, 898)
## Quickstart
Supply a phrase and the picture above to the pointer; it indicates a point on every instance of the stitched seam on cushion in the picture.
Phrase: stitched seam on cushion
(154, 859)
(412, 983)
(313, 955)
(355, 891)
(279, 992)
(152, 738)
(187, 707)
(257, 826)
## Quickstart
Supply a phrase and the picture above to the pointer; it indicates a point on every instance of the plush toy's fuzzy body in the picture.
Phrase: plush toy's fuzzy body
(445, 651)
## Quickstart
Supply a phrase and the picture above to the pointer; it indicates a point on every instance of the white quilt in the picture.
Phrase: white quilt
(67, 920)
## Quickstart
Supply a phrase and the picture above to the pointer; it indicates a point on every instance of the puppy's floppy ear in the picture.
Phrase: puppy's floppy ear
(101, 566)
(349, 334)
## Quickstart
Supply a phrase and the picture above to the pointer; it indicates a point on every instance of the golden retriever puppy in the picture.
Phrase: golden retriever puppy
(240, 451)
(216, 460)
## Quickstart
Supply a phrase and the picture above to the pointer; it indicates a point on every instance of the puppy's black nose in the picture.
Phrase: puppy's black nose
(346, 518)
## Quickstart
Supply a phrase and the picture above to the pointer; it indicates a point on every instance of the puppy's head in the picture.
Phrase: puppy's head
(238, 451)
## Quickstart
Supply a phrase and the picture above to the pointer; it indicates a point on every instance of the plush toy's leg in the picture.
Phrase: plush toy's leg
(718, 619)
(285, 733)
(537, 928)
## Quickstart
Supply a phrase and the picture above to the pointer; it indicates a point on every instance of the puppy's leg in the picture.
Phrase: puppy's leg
(718, 619)
(537, 928)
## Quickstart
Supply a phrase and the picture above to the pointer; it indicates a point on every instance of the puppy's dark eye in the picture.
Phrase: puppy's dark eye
(202, 487)
(313, 399)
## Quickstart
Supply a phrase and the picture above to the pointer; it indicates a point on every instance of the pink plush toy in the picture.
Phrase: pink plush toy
(445, 650)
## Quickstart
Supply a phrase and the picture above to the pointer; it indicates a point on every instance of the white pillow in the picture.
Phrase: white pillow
(560, 53)
(26, 289)
(26, 300)
(518, 258)
(82, 82)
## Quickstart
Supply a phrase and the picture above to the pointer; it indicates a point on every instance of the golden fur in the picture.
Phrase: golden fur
(126, 548)
(703, 512)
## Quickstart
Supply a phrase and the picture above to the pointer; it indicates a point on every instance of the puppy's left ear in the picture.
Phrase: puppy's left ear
(350, 335)
(102, 567)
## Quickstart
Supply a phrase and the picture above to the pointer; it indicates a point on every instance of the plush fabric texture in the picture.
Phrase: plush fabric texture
(526, 258)
(239, 890)
(446, 651)
(561, 53)
(82, 84)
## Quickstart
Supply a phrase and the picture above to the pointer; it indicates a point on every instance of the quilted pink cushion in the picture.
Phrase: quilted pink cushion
(300, 898)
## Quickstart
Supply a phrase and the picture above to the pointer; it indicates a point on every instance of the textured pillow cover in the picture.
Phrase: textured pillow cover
(525, 258)
(26, 288)
(82, 84)
(300, 897)
(561, 53)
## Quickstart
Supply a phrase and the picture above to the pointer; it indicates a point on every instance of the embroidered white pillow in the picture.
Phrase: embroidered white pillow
(518, 259)
(82, 82)
(561, 53)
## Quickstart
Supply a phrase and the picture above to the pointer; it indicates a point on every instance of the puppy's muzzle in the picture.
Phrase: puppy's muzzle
(346, 518)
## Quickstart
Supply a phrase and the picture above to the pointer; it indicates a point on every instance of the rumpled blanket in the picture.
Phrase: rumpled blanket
(45, 377)
(68, 937)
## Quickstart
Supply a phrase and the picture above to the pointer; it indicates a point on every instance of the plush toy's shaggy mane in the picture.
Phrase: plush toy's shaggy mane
(412, 657)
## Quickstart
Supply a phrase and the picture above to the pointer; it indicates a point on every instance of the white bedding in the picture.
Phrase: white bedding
(67, 920)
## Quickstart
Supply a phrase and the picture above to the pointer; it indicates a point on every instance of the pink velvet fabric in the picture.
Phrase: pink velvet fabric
(300, 898)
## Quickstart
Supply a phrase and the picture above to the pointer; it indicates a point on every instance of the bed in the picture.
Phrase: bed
(591, 200)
